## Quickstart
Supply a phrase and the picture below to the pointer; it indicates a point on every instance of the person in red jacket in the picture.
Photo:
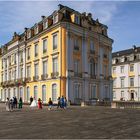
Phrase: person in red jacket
(39, 103)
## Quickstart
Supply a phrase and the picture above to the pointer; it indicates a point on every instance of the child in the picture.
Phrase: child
(50, 103)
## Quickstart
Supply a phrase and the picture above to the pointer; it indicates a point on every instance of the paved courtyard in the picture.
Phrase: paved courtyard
(75, 122)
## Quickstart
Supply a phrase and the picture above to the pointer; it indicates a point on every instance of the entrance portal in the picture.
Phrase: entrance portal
(132, 96)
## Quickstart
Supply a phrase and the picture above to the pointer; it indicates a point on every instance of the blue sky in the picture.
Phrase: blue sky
(121, 17)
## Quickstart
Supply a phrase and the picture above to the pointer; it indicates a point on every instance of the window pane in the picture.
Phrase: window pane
(44, 93)
(55, 65)
(28, 94)
(35, 92)
(54, 42)
(45, 45)
(54, 93)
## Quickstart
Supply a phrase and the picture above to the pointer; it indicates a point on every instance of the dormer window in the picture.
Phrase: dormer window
(36, 29)
(45, 24)
(28, 34)
(77, 19)
(55, 19)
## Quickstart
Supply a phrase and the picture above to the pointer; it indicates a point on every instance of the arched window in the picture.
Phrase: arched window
(9, 93)
(44, 93)
(92, 67)
(54, 92)
(21, 92)
(28, 94)
(35, 92)
(5, 96)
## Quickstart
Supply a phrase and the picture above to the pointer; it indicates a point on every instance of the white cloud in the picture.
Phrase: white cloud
(14, 16)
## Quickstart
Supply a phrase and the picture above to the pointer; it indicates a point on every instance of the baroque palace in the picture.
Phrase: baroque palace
(67, 53)
(126, 74)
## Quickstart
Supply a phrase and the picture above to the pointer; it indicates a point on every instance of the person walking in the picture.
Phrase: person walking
(34, 103)
(20, 103)
(39, 103)
(62, 102)
(50, 104)
(31, 100)
(7, 105)
(65, 103)
(15, 100)
(11, 105)
(58, 104)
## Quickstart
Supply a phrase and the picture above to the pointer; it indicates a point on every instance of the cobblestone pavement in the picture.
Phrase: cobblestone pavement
(75, 122)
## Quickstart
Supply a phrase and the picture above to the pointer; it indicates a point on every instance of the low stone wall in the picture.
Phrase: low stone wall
(125, 104)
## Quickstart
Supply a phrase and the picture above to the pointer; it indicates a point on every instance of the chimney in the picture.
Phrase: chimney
(89, 16)
(134, 47)
(25, 29)
(60, 6)
(42, 17)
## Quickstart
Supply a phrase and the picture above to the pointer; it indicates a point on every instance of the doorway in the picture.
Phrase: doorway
(132, 96)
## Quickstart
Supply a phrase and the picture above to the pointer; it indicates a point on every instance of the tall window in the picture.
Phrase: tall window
(28, 71)
(54, 92)
(15, 58)
(28, 53)
(21, 56)
(122, 82)
(106, 92)
(77, 91)
(114, 70)
(15, 75)
(44, 67)
(21, 72)
(93, 91)
(92, 67)
(122, 69)
(122, 94)
(55, 65)
(44, 45)
(44, 93)
(35, 92)
(5, 96)
(10, 75)
(9, 92)
(91, 46)
(76, 65)
(36, 50)
(105, 70)
(5, 76)
(131, 68)
(21, 92)
(14, 92)
(131, 81)
(36, 69)
(114, 95)
(114, 82)
(28, 94)
(55, 41)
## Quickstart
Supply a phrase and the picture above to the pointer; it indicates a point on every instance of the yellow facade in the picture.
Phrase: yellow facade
(60, 54)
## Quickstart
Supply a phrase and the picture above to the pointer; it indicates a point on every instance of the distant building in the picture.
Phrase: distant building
(67, 53)
(126, 74)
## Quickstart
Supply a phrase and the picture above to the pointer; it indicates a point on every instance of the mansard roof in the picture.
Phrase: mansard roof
(66, 11)
(126, 52)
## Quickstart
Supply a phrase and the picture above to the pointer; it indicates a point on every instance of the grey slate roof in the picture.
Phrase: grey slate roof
(126, 52)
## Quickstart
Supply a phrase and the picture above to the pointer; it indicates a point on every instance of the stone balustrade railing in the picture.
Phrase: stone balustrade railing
(125, 104)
